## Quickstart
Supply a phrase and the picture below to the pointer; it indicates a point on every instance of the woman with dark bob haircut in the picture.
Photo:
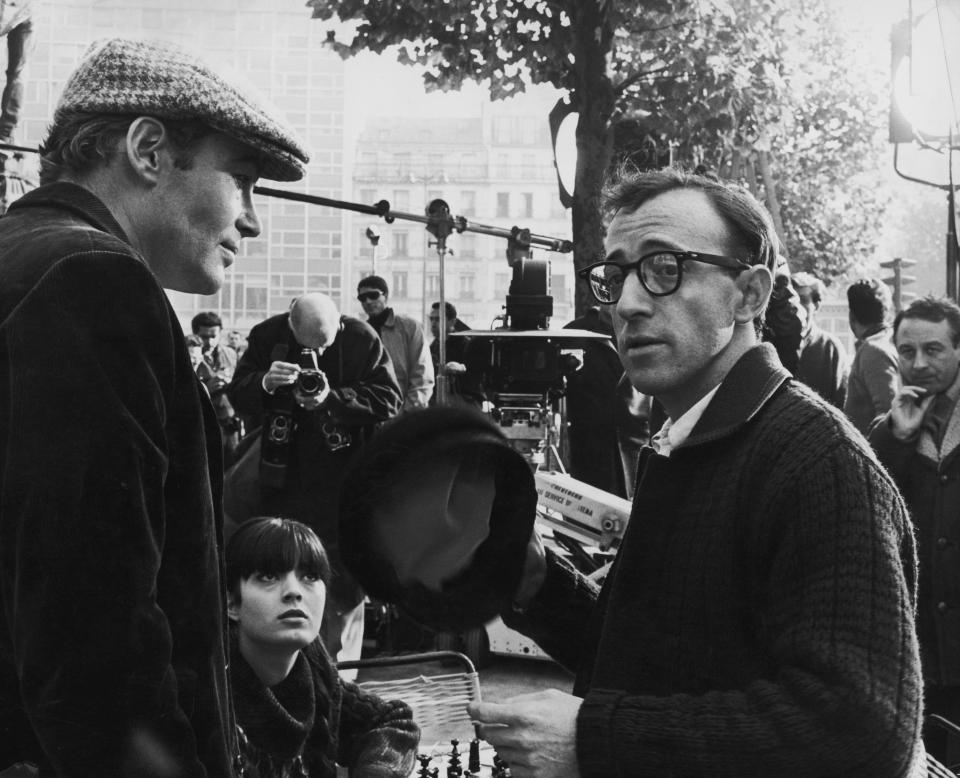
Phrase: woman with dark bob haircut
(296, 718)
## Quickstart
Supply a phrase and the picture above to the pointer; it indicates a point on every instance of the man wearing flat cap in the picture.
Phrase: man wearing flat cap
(112, 654)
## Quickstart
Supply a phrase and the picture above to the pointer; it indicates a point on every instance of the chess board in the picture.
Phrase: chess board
(443, 760)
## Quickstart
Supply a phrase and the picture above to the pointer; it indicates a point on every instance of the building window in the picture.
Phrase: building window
(503, 203)
(468, 203)
(434, 164)
(528, 129)
(468, 287)
(503, 166)
(401, 246)
(402, 162)
(399, 287)
(528, 204)
(401, 200)
(501, 285)
(468, 246)
(528, 168)
(433, 285)
(501, 129)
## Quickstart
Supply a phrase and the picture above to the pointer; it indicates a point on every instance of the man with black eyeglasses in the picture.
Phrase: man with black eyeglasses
(758, 619)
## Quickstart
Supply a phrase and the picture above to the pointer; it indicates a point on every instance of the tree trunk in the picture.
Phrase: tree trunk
(770, 190)
(594, 98)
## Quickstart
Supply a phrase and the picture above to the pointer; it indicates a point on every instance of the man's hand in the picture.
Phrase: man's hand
(280, 374)
(216, 383)
(906, 411)
(535, 733)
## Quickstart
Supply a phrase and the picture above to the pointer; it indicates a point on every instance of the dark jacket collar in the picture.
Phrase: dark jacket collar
(76, 199)
(744, 391)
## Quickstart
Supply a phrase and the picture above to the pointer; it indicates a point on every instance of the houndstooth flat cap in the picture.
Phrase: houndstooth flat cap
(161, 79)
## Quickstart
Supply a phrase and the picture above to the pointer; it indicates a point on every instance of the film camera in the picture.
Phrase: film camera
(310, 380)
(523, 367)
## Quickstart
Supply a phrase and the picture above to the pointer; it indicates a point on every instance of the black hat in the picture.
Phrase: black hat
(435, 516)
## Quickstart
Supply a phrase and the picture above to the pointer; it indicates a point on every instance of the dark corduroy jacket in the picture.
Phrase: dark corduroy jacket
(759, 617)
(112, 642)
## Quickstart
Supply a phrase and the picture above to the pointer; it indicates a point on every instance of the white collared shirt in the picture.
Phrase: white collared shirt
(674, 433)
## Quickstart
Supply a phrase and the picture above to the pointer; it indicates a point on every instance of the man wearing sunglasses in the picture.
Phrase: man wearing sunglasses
(403, 339)
(758, 619)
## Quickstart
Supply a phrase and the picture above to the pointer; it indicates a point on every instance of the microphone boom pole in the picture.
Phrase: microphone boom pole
(456, 223)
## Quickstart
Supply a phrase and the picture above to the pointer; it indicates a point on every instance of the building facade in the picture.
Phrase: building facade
(495, 170)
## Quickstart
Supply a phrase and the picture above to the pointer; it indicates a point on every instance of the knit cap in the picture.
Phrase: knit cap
(161, 79)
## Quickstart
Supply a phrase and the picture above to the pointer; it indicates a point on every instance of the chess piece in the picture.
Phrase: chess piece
(454, 770)
(424, 760)
(473, 763)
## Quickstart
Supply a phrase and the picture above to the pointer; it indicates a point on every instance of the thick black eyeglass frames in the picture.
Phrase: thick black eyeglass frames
(660, 273)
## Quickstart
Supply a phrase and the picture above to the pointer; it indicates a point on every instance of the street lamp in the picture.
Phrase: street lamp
(925, 82)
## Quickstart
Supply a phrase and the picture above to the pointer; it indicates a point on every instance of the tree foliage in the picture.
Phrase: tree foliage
(761, 90)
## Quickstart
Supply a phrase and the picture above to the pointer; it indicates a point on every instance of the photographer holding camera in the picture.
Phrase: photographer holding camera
(320, 383)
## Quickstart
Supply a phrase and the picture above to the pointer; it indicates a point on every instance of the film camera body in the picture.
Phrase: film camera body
(310, 380)
(523, 367)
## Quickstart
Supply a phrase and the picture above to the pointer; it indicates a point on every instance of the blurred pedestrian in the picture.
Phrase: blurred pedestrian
(461, 385)
(823, 360)
(216, 372)
(195, 349)
(874, 373)
(237, 342)
(112, 626)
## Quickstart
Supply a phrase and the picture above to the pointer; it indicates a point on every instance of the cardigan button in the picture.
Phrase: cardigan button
(942, 607)
(944, 478)
(942, 542)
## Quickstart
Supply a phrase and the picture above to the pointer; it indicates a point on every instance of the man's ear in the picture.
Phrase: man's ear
(146, 139)
(233, 607)
(756, 284)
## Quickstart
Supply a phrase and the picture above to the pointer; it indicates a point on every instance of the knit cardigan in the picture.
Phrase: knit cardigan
(759, 617)
(312, 721)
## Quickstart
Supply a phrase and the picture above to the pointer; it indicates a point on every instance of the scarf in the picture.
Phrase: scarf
(273, 722)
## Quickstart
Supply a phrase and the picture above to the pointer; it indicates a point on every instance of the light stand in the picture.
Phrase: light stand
(440, 226)
(952, 247)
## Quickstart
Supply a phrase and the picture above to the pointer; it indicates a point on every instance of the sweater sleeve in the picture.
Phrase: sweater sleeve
(84, 517)
(378, 738)
(558, 612)
(833, 589)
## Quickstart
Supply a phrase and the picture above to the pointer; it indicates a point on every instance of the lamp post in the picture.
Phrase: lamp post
(924, 107)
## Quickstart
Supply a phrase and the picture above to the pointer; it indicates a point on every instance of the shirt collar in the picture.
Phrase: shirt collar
(674, 434)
